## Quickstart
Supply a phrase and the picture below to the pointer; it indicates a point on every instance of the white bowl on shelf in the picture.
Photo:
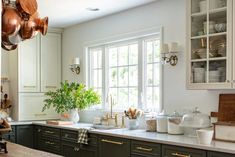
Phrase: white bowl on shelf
(205, 136)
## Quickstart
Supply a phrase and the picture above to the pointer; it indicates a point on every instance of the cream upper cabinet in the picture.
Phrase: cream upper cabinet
(29, 70)
(50, 61)
(234, 44)
(210, 44)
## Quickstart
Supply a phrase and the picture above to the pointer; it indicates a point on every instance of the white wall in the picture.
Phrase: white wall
(171, 14)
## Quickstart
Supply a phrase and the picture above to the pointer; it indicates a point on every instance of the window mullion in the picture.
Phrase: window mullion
(141, 75)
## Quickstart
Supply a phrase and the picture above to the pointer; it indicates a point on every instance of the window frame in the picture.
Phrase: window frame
(142, 84)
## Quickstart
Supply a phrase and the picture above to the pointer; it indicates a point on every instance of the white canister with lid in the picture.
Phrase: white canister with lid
(174, 127)
(162, 123)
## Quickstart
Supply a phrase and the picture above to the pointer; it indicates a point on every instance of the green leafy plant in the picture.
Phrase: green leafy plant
(71, 96)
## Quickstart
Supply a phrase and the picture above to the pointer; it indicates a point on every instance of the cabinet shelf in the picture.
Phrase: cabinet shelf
(198, 14)
(217, 34)
(217, 10)
(199, 37)
(217, 58)
(199, 60)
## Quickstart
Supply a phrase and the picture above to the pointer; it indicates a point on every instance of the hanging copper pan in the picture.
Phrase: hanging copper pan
(27, 7)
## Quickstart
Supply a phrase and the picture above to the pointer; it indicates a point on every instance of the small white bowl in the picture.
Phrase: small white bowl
(205, 136)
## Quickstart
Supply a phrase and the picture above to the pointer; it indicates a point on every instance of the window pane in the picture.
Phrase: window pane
(149, 96)
(156, 74)
(149, 74)
(156, 50)
(123, 55)
(99, 78)
(113, 77)
(113, 57)
(95, 80)
(149, 48)
(99, 59)
(122, 98)
(156, 95)
(133, 55)
(123, 77)
(133, 75)
(113, 92)
(133, 97)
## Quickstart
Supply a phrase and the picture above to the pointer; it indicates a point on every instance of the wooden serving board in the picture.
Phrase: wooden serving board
(226, 111)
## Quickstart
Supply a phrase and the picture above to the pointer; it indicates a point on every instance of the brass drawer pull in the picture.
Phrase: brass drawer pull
(180, 155)
(51, 143)
(29, 86)
(51, 87)
(144, 149)
(49, 132)
(112, 142)
(40, 114)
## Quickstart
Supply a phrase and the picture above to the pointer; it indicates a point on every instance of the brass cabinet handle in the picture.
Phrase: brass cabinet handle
(51, 143)
(144, 149)
(49, 132)
(76, 149)
(180, 155)
(40, 114)
(29, 86)
(51, 87)
(112, 142)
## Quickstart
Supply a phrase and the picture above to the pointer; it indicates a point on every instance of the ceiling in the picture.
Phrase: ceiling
(63, 13)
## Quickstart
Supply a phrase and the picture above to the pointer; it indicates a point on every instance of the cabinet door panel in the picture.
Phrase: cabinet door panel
(30, 107)
(87, 153)
(28, 58)
(70, 150)
(114, 147)
(25, 135)
(50, 61)
(215, 154)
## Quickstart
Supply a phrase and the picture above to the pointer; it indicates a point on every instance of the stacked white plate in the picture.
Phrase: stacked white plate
(222, 74)
(214, 76)
(199, 75)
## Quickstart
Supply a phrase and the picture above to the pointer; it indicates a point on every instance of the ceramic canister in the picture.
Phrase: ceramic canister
(162, 123)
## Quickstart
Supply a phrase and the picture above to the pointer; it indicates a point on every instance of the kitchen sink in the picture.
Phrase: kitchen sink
(104, 127)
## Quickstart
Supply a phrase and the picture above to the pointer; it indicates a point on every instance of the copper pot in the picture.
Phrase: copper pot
(11, 20)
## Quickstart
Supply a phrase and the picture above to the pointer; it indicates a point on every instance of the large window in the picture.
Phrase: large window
(130, 71)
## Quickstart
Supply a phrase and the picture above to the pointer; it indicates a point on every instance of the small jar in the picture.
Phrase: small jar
(150, 123)
(162, 123)
(173, 125)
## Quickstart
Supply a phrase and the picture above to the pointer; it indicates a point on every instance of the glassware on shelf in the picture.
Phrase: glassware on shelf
(215, 4)
(199, 48)
(217, 46)
(199, 72)
(217, 71)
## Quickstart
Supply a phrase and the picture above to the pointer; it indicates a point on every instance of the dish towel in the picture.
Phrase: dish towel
(83, 136)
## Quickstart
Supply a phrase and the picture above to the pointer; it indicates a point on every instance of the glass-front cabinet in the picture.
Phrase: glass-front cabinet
(210, 44)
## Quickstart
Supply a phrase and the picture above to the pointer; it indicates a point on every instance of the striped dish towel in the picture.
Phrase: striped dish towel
(83, 136)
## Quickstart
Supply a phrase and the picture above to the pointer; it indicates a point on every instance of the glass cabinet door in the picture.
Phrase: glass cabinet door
(211, 29)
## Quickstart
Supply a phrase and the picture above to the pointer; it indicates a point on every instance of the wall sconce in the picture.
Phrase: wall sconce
(75, 67)
(170, 56)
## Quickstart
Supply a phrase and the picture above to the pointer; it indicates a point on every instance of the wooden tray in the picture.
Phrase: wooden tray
(226, 108)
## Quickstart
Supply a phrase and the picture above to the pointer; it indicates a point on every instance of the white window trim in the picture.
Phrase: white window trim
(121, 39)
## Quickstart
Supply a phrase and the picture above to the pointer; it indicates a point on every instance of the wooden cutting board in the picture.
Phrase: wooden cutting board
(226, 111)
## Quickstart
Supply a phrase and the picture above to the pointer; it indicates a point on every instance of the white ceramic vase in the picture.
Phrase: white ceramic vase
(74, 116)
(133, 124)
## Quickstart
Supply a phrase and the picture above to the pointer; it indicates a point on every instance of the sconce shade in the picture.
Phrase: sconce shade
(174, 47)
(165, 48)
(76, 61)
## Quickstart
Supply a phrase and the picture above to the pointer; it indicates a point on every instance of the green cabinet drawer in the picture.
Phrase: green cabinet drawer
(145, 149)
(50, 145)
(114, 147)
(51, 132)
(217, 154)
(175, 151)
(70, 136)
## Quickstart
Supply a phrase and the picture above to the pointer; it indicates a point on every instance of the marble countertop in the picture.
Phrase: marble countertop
(178, 140)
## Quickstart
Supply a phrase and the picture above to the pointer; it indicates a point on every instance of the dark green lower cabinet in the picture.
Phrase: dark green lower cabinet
(11, 136)
(173, 151)
(215, 154)
(114, 147)
(24, 135)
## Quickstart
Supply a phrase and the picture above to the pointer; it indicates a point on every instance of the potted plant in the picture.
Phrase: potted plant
(70, 98)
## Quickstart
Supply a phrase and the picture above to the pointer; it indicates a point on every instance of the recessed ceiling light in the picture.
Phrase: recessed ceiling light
(92, 9)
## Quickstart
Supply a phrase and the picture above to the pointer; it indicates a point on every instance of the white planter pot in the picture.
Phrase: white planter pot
(74, 116)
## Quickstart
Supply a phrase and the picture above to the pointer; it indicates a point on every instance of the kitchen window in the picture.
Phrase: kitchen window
(130, 71)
